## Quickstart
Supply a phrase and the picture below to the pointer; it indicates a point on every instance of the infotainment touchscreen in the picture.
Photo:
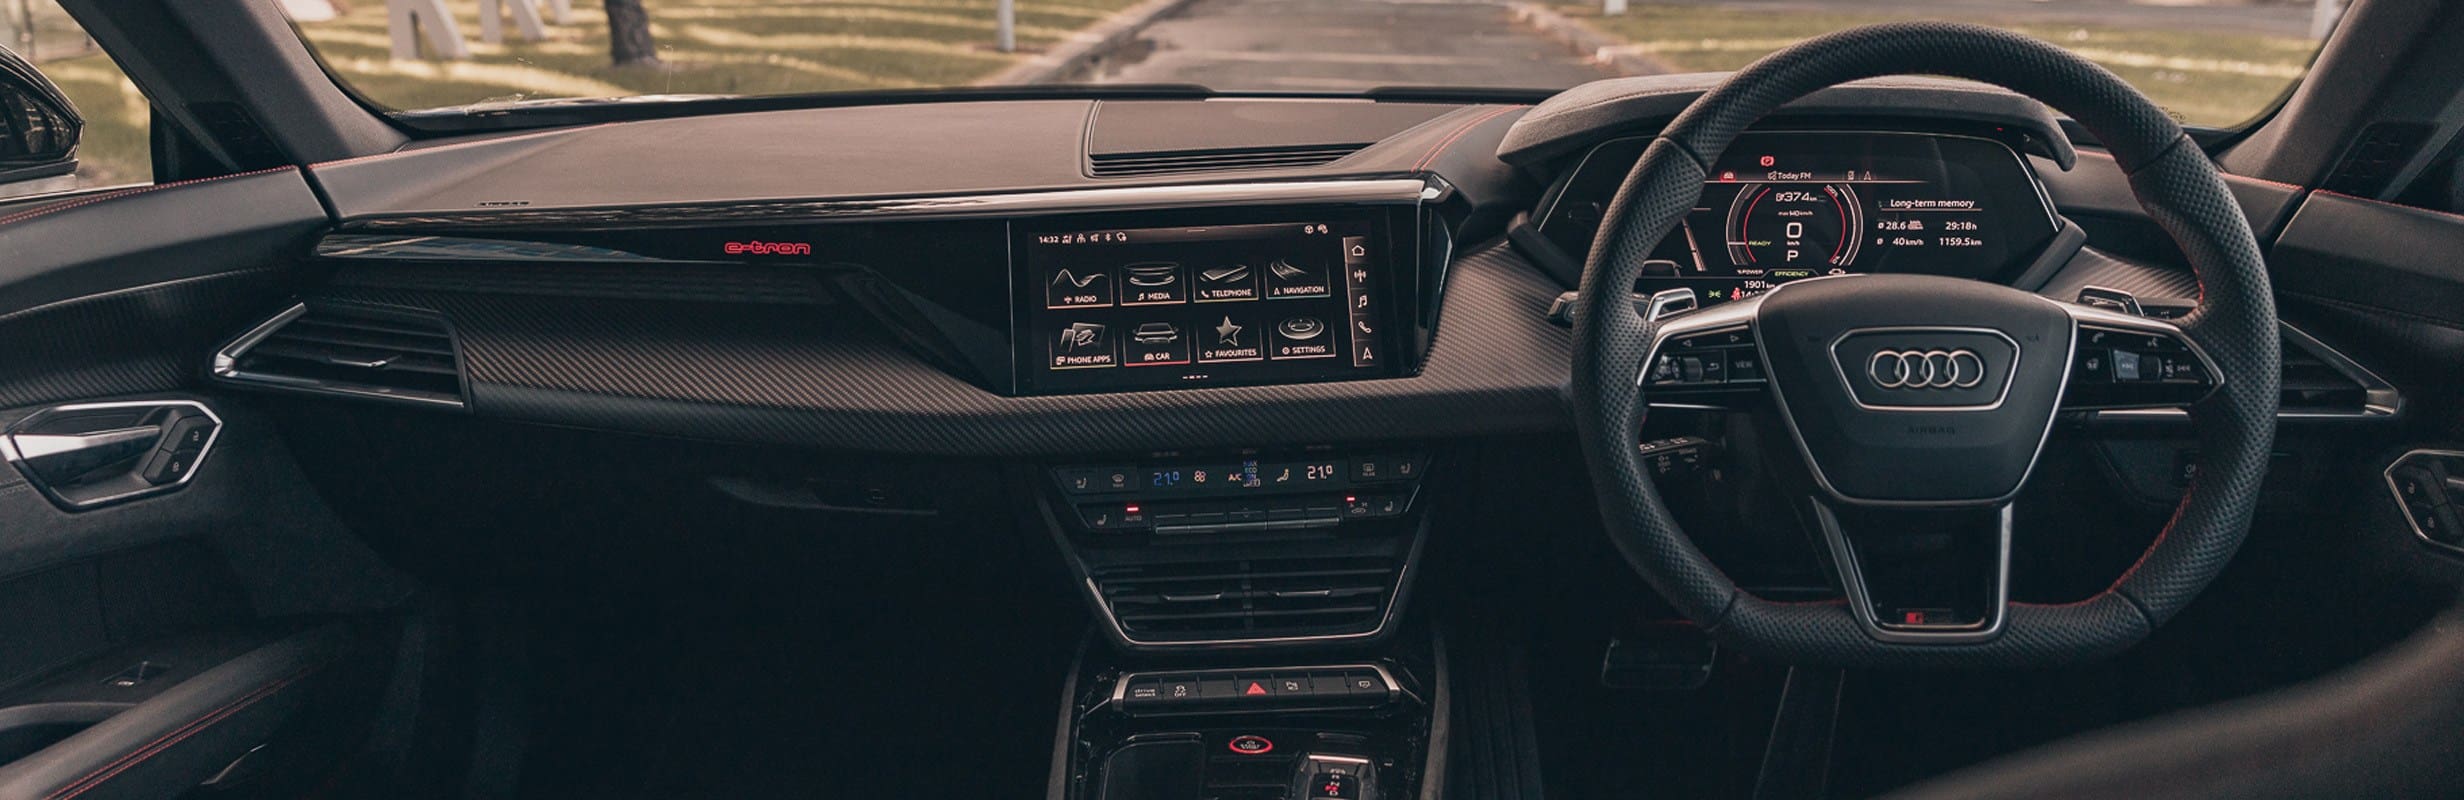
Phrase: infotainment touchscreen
(1203, 305)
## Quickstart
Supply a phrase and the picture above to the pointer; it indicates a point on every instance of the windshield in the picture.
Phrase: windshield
(2215, 63)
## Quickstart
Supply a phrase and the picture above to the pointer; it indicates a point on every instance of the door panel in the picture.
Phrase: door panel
(150, 642)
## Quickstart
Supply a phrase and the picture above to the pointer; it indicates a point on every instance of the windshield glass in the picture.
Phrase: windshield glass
(2216, 63)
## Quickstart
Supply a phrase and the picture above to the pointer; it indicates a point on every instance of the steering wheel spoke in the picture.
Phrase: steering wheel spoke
(2126, 361)
(1931, 576)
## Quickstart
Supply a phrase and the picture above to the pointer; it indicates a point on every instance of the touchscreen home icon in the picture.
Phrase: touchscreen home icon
(1083, 345)
(1079, 287)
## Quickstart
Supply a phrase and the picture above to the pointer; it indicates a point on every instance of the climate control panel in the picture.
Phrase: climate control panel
(1240, 493)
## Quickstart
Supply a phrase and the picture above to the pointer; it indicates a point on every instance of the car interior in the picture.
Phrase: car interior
(1919, 411)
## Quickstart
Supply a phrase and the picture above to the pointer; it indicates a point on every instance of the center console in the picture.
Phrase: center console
(1253, 601)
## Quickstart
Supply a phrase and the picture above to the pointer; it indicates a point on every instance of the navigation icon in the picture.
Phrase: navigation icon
(1293, 277)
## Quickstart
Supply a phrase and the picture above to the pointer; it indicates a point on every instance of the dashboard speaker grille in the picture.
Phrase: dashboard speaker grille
(1130, 165)
(1250, 599)
(353, 350)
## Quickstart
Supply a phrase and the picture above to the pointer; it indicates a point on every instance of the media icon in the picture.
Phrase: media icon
(1152, 283)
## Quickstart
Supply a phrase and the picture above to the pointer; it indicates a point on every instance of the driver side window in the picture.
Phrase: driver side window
(111, 150)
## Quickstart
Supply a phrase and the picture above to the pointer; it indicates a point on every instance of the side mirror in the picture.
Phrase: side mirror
(38, 126)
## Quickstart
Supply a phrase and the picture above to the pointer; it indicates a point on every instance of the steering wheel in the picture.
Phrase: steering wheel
(1916, 396)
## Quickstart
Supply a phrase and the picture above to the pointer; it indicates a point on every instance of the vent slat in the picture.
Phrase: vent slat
(353, 351)
(1249, 599)
(1119, 165)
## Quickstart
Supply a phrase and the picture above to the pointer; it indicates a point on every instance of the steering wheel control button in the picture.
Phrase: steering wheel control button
(1706, 360)
(2135, 369)
(1250, 744)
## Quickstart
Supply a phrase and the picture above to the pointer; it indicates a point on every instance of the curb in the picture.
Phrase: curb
(1084, 49)
(1601, 48)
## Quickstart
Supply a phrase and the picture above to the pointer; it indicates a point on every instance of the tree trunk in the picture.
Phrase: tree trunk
(628, 34)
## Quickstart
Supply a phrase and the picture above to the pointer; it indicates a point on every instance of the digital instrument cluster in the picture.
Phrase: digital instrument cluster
(1786, 205)
(1201, 305)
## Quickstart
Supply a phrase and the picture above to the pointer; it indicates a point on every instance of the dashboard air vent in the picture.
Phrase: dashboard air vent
(353, 350)
(1131, 165)
(1255, 599)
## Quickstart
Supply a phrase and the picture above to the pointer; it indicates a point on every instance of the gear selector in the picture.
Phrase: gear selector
(1322, 776)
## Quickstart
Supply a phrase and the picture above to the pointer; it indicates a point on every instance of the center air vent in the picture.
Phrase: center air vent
(1130, 165)
(1256, 599)
(354, 350)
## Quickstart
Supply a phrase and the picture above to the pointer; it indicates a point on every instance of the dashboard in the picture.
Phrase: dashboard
(922, 288)
(1788, 205)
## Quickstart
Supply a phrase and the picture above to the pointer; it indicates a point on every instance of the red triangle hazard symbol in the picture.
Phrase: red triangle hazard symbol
(1254, 689)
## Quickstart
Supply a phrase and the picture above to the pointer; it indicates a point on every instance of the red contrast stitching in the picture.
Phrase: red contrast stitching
(1457, 135)
(128, 192)
(108, 771)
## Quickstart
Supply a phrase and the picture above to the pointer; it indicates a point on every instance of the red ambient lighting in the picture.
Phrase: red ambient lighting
(761, 248)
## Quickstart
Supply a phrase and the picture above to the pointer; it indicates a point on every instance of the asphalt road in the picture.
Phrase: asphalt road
(1345, 46)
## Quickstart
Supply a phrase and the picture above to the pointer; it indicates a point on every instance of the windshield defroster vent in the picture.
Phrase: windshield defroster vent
(1249, 599)
(351, 350)
(1131, 165)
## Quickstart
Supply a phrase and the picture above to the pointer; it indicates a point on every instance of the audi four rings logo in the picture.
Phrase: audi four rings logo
(1926, 369)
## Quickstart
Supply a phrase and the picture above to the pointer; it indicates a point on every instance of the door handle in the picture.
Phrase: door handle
(94, 454)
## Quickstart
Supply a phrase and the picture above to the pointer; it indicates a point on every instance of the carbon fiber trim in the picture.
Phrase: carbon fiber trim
(810, 375)
(146, 339)
(2151, 284)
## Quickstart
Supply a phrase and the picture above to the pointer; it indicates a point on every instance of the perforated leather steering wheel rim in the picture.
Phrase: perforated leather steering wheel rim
(2234, 323)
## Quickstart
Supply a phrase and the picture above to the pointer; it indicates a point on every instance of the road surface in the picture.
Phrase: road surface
(1345, 46)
